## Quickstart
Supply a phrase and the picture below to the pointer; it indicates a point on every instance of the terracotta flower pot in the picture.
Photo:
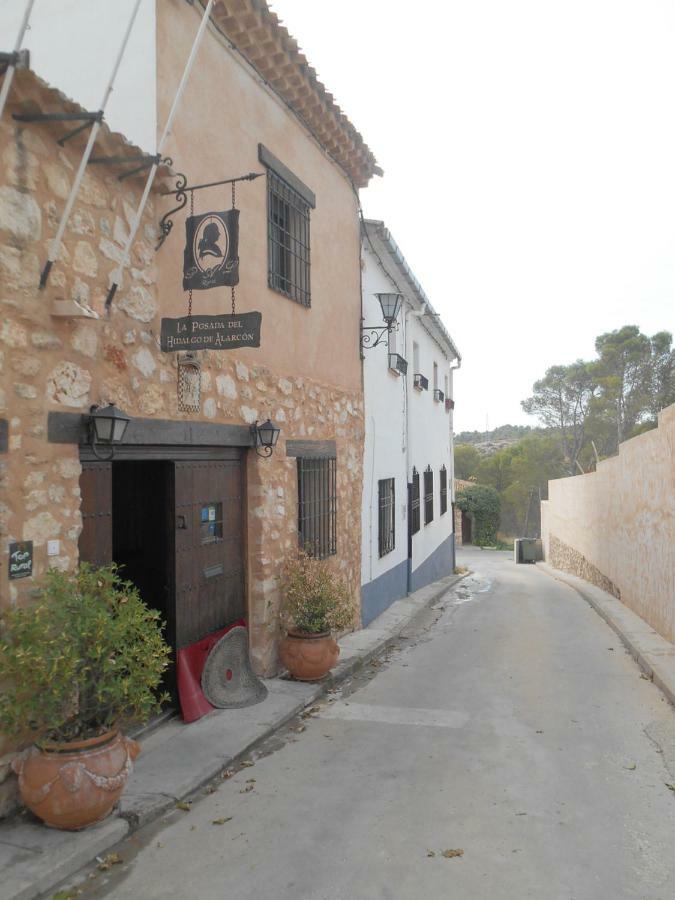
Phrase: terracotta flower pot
(308, 657)
(73, 785)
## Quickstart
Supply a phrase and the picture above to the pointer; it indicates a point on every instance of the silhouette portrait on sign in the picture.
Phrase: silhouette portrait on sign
(208, 244)
(211, 255)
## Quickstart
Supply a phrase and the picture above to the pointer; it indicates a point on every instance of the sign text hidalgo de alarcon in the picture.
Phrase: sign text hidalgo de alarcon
(223, 332)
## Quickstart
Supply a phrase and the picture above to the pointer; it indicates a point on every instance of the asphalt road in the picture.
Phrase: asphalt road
(510, 725)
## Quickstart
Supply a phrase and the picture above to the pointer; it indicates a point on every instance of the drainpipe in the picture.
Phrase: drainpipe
(408, 312)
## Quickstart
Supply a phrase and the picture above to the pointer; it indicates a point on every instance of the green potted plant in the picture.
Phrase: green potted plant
(84, 659)
(315, 603)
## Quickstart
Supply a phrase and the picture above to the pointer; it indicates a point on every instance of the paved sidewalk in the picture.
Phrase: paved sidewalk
(653, 653)
(177, 759)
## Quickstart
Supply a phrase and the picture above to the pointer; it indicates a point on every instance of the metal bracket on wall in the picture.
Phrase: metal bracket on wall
(87, 119)
(181, 191)
(20, 59)
(144, 162)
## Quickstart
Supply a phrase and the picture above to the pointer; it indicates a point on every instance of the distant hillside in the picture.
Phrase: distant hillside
(489, 442)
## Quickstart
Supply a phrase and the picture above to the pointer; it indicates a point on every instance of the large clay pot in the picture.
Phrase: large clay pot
(308, 657)
(73, 785)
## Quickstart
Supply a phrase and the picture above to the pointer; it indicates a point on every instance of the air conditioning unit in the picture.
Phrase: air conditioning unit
(439, 396)
(420, 382)
(397, 363)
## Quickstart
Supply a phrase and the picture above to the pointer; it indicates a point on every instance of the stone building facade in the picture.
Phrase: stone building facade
(60, 353)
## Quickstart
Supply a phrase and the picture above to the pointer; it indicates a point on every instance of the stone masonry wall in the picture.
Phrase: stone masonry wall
(567, 559)
(53, 363)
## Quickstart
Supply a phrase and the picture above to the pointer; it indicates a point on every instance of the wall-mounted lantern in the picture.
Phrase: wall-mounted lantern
(372, 335)
(265, 437)
(107, 426)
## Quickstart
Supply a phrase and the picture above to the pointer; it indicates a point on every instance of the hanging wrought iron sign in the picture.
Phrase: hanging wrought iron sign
(189, 383)
(211, 256)
(223, 332)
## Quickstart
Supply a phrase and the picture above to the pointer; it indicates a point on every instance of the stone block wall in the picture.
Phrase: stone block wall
(616, 527)
(66, 364)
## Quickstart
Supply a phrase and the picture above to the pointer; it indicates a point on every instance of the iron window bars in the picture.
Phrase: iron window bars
(287, 240)
(386, 537)
(428, 495)
(415, 502)
(317, 518)
(444, 490)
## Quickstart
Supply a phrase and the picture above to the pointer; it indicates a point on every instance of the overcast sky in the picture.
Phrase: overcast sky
(529, 157)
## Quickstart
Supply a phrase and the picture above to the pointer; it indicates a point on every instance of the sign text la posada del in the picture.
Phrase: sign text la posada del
(223, 332)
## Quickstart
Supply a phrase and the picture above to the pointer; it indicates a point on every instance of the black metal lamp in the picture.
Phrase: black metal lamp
(107, 426)
(372, 335)
(265, 437)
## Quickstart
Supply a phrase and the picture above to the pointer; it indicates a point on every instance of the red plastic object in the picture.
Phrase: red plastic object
(189, 667)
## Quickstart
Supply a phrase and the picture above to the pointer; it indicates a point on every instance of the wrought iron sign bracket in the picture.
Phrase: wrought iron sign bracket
(181, 192)
(372, 335)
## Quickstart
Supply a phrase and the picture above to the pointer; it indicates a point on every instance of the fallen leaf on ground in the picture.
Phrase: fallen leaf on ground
(521, 814)
(108, 861)
(185, 805)
(451, 854)
(540, 731)
(430, 853)
(247, 763)
(671, 787)
(299, 729)
(645, 676)
(250, 781)
(228, 773)
(67, 895)
(211, 789)
(631, 767)
(246, 789)
(160, 844)
(329, 736)
(610, 648)
(222, 821)
(310, 712)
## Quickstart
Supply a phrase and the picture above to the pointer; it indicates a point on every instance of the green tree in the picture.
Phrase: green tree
(660, 382)
(467, 460)
(481, 503)
(624, 373)
(562, 400)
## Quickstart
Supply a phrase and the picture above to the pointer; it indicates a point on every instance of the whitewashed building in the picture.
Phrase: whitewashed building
(407, 519)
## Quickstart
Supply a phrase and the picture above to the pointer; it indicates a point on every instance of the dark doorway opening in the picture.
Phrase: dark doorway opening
(142, 540)
(466, 528)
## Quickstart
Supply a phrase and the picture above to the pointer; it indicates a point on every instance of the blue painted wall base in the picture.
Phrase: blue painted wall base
(379, 594)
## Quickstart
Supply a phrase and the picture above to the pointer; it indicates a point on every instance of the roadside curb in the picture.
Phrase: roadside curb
(653, 653)
(54, 858)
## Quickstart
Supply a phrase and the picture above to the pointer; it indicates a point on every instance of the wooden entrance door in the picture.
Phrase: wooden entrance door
(209, 551)
(96, 537)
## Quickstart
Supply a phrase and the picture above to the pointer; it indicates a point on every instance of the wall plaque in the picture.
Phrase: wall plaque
(20, 560)
(225, 332)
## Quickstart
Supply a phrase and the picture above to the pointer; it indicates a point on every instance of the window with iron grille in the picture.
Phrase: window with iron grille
(444, 490)
(287, 240)
(415, 502)
(428, 495)
(386, 536)
(317, 520)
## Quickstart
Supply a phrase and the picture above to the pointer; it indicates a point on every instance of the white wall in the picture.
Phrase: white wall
(73, 46)
(384, 448)
(430, 437)
(394, 417)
